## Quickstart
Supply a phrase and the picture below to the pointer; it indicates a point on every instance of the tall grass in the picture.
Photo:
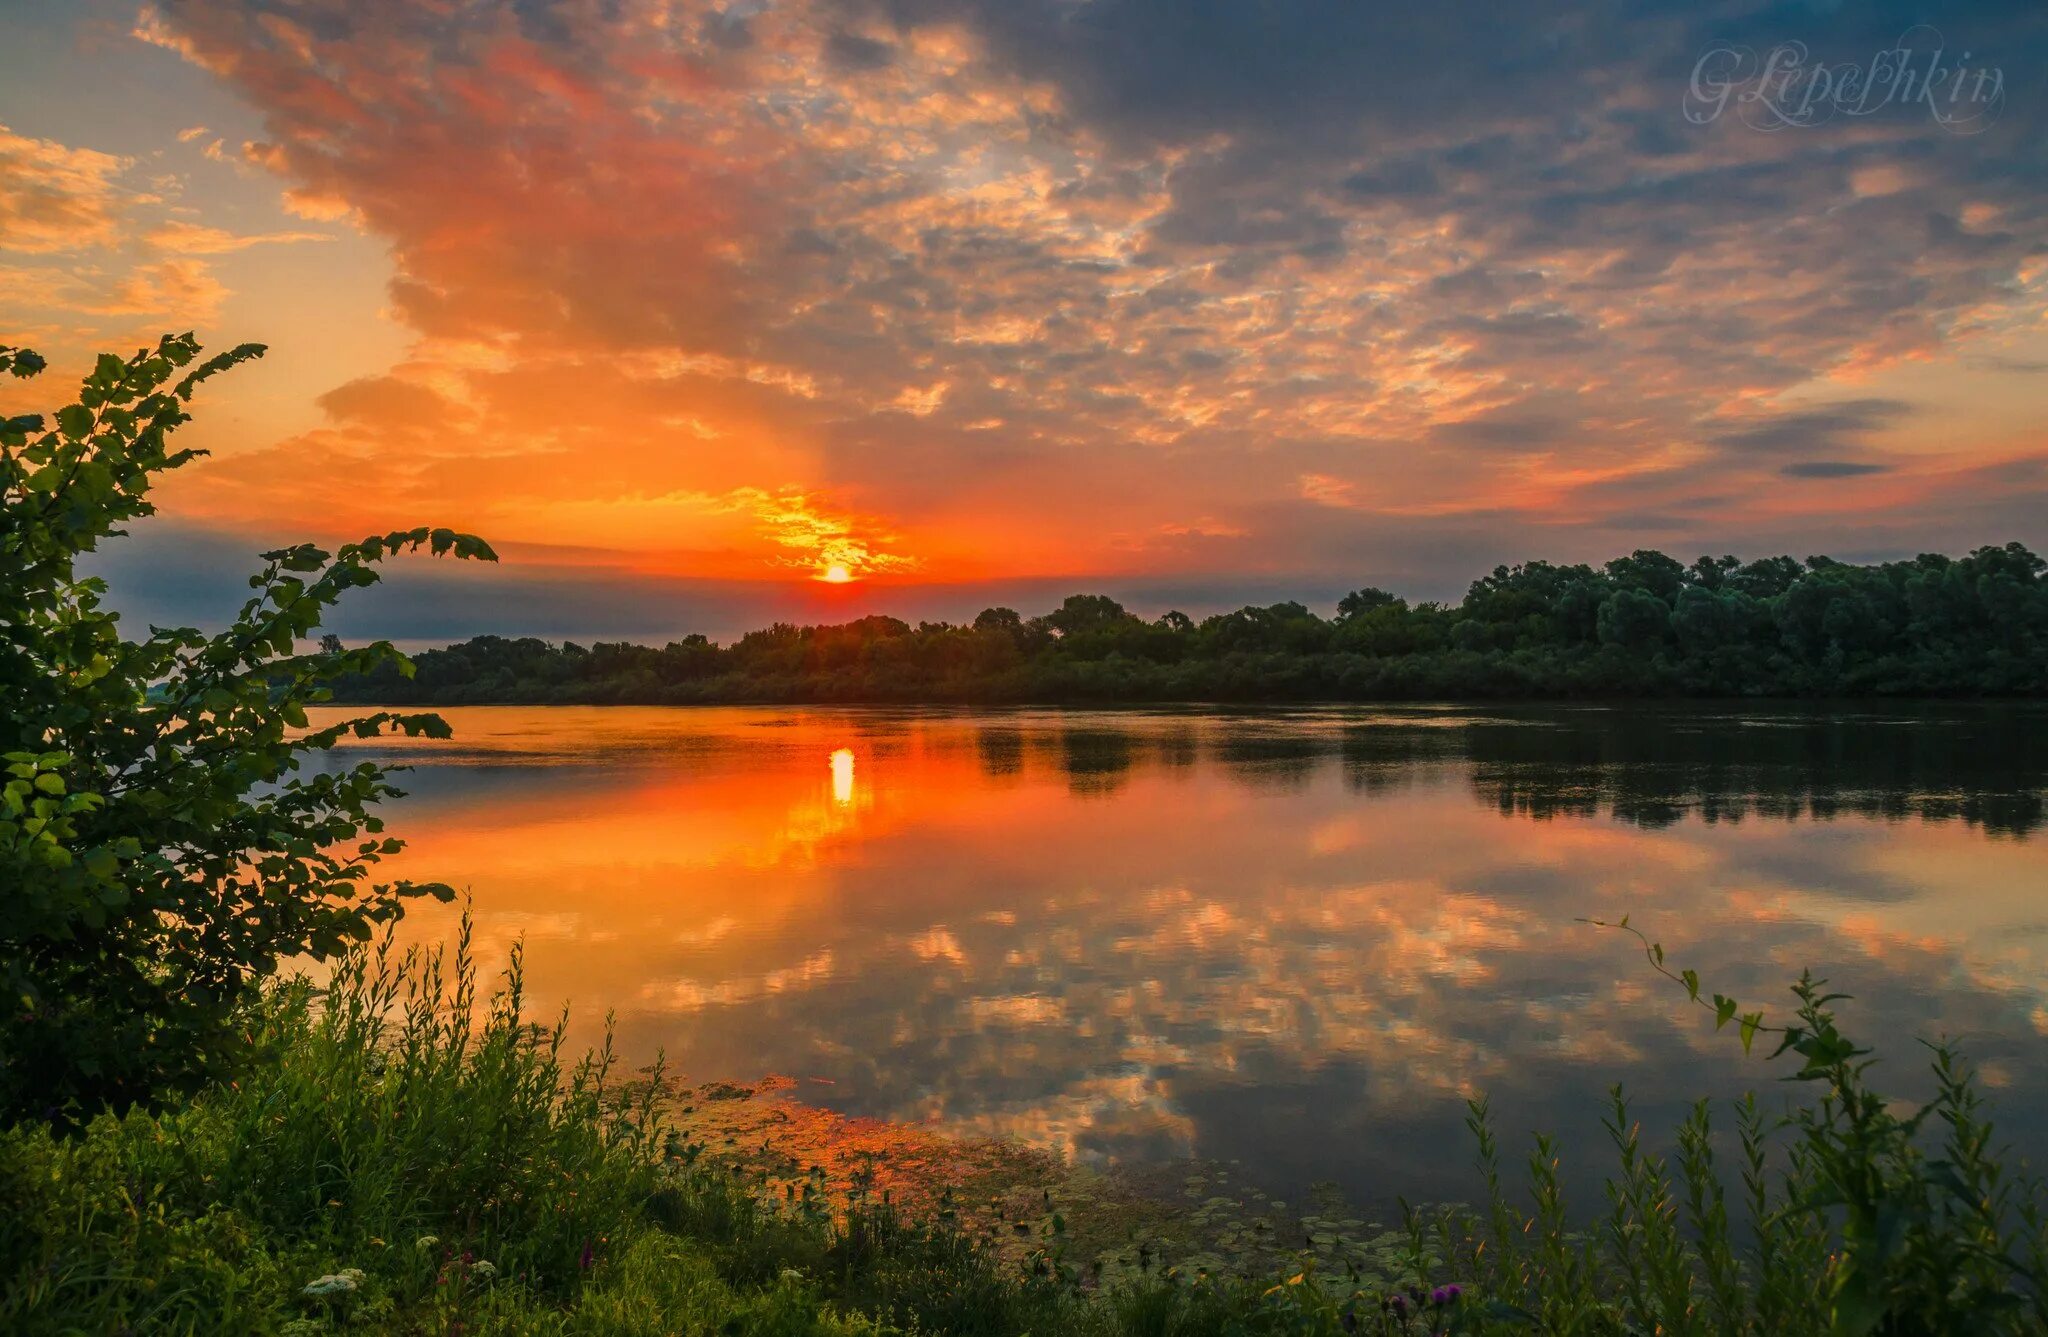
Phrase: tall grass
(408, 1155)
(388, 1124)
(1851, 1213)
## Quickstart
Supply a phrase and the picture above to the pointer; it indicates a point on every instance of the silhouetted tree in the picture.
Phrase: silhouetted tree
(1640, 625)
(1085, 612)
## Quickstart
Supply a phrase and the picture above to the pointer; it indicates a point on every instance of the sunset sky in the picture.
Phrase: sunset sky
(687, 306)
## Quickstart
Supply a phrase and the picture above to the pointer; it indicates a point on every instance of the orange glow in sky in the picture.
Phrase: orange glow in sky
(750, 299)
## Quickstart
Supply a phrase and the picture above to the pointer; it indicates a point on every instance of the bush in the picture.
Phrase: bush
(161, 853)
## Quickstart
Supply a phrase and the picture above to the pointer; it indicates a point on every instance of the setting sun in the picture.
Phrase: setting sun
(836, 574)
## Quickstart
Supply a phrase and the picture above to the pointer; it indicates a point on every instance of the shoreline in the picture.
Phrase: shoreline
(1200, 1215)
(1226, 705)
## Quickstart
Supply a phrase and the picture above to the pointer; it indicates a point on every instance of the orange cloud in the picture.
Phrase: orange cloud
(54, 198)
(968, 289)
(182, 238)
(169, 289)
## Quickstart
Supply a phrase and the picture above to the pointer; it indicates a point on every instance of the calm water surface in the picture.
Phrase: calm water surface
(1295, 939)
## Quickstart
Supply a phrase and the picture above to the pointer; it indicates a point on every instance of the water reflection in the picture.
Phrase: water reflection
(842, 776)
(1295, 938)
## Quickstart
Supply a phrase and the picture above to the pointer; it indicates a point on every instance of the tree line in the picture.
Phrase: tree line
(1644, 625)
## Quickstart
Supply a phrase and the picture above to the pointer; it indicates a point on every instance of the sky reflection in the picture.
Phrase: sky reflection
(1296, 938)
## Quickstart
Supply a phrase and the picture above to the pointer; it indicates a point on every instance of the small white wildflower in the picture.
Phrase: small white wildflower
(426, 1242)
(483, 1267)
(336, 1283)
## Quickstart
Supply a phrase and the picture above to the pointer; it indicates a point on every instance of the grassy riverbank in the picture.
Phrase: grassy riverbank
(401, 1155)
(443, 1174)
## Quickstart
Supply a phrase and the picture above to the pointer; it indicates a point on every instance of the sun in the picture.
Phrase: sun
(836, 574)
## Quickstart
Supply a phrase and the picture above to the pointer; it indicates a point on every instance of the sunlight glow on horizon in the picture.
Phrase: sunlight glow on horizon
(636, 301)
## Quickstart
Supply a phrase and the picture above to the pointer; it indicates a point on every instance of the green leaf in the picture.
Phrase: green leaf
(74, 421)
(212, 856)
(1858, 1307)
(302, 557)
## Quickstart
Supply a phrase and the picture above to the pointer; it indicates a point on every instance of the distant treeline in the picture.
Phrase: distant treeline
(1642, 625)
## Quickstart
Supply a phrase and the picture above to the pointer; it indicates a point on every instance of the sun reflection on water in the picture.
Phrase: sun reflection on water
(1287, 938)
(842, 776)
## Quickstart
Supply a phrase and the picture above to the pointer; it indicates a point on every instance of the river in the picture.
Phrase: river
(1291, 938)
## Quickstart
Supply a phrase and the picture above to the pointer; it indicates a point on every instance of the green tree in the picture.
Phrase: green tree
(1704, 620)
(998, 619)
(1085, 612)
(1364, 601)
(1711, 572)
(1767, 577)
(1650, 571)
(1388, 629)
(160, 849)
(1633, 619)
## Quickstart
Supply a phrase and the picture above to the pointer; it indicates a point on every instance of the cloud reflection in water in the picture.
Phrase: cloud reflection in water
(1296, 938)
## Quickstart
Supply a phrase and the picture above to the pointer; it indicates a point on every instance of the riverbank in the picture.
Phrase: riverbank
(625, 675)
(1113, 1224)
(401, 1158)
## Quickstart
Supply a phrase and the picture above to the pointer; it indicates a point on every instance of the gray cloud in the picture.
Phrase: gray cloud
(1126, 273)
(1832, 469)
(1828, 428)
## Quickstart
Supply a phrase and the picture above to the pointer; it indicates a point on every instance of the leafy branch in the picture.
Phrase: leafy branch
(162, 849)
(1724, 1008)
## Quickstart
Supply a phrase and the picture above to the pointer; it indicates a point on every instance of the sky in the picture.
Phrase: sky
(712, 314)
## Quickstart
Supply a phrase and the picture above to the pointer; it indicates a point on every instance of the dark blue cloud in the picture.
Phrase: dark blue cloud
(1832, 469)
(1829, 427)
